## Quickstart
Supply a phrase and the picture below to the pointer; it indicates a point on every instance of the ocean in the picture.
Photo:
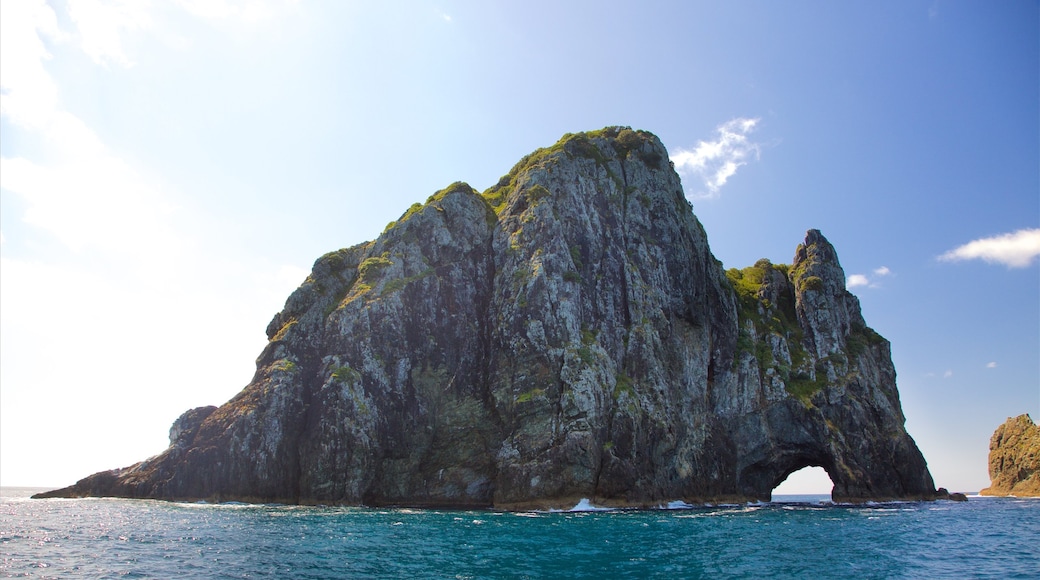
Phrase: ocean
(796, 537)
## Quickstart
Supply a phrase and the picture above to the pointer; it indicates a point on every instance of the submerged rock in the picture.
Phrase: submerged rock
(566, 334)
(1014, 459)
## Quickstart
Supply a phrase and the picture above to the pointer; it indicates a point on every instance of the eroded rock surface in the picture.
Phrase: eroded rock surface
(1014, 459)
(565, 334)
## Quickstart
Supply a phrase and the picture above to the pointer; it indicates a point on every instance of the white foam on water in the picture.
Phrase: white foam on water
(586, 506)
(677, 505)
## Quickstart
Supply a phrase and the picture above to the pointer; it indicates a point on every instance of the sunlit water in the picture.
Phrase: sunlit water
(109, 538)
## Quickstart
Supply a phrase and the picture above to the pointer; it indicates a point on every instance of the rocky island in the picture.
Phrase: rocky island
(565, 334)
(1014, 459)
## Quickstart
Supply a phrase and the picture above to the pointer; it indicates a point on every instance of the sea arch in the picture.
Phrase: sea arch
(758, 479)
(809, 480)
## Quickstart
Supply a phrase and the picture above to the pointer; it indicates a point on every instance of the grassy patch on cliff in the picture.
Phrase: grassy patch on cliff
(434, 199)
(861, 338)
(345, 375)
(769, 318)
(622, 140)
(528, 396)
(370, 268)
(623, 386)
(398, 283)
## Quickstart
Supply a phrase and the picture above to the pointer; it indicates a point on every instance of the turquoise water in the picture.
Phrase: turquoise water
(111, 538)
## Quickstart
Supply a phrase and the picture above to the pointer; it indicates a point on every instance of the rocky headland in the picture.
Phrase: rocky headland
(1014, 459)
(565, 334)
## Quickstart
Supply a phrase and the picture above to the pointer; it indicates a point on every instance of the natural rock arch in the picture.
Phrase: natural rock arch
(769, 475)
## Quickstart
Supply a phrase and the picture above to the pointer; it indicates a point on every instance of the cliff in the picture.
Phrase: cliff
(1014, 459)
(565, 334)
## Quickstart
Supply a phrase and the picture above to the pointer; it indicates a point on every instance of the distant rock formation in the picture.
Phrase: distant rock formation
(1014, 459)
(565, 334)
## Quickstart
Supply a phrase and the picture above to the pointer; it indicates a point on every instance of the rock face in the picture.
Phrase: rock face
(565, 334)
(1014, 459)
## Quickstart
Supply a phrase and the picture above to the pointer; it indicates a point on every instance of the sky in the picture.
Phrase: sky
(169, 171)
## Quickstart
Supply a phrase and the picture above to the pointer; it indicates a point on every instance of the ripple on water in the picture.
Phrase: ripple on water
(117, 538)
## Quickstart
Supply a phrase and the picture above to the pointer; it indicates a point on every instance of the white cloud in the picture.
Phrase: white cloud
(991, 365)
(209, 9)
(1014, 250)
(84, 195)
(947, 374)
(248, 11)
(138, 289)
(28, 93)
(714, 162)
(857, 280)
(101, 25)
(95, 201)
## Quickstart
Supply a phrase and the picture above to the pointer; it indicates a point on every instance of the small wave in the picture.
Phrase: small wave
(586, 506)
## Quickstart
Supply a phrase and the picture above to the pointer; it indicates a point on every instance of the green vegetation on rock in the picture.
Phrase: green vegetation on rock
(285, 365)
(345, 374)
(528, 396)
(773, 317)
(861, 338)
(399, 283)
(622, 140)
(371, 267)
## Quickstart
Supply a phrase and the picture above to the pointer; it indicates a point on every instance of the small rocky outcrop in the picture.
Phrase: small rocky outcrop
(1014, 459)
(943, 493)
(565, 334)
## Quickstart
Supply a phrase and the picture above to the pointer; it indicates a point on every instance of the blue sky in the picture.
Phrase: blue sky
(170, 170)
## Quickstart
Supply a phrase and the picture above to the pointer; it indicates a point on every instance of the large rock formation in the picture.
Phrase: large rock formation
(565, 334)
(1014, 459)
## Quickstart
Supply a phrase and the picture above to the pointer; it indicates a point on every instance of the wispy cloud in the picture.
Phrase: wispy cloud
(28, 94)
(101, 26)
(1014, 250)
(991, 365)
(858, 280)
(84, 195)
(713, 162)
(247, 11)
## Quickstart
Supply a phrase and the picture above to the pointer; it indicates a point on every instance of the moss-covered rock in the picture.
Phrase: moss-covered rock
(566, 333)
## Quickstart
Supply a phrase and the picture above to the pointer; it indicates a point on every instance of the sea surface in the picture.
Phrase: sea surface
(797, 537)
